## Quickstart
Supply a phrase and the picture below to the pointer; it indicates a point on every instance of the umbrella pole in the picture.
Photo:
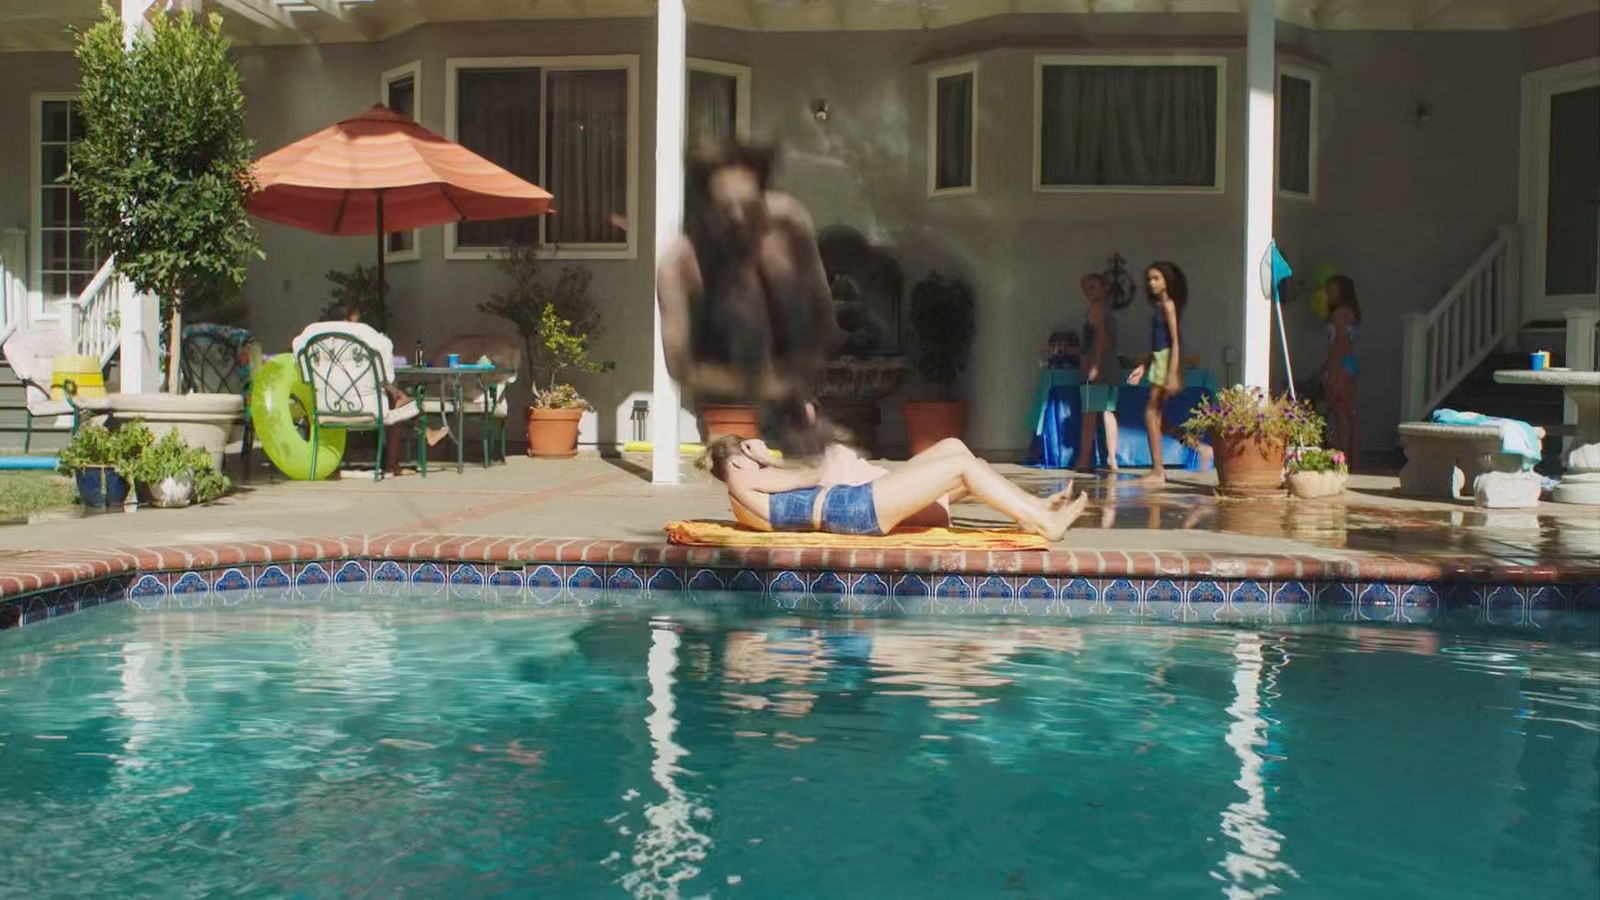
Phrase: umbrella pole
(383, 310)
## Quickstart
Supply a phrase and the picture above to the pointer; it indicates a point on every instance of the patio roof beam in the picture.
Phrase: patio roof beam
(262, 12)
(330, 8)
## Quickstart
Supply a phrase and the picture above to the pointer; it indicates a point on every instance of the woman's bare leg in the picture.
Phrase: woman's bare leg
(913, 486)
(1111, 440)
(1152, 428)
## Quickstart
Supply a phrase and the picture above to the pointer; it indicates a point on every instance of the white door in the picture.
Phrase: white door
(1561, 189)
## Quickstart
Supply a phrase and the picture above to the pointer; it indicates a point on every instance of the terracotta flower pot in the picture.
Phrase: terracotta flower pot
(929, 423)
(553, 433)
(743, 422)
(1248, 465)
(1317, 485)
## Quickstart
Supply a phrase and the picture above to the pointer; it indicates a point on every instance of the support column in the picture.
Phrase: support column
(671, 25)
(139, 366)
(1261, 114)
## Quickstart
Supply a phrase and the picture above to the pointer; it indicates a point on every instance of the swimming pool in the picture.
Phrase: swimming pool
(293, 743)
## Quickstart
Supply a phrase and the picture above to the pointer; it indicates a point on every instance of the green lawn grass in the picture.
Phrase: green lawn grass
(25, 493)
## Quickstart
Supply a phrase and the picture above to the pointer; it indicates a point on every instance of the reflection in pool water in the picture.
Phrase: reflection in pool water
(389, 746)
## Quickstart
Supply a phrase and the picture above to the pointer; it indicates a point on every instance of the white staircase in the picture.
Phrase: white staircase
(1446, 344)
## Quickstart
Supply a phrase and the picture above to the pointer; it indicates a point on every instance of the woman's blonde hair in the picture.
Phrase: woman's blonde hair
(714, 458)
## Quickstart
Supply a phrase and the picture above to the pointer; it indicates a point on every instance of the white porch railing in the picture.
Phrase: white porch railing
(94, 315)
(13, 286)
(1479, 314)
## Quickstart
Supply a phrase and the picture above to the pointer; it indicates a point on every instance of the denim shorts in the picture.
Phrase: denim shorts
(849, 509)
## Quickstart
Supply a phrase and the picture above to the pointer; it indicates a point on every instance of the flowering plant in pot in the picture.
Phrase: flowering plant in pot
(1315, 472)
(1250, 432)
(170, 474)
(942, 317)
(101, 461)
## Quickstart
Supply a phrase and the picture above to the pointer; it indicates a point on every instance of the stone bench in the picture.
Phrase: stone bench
(1444, 460)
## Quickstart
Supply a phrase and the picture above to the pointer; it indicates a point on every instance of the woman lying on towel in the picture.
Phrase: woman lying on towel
(769, 498)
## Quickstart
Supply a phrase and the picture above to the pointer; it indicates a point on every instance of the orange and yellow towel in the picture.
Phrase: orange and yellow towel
(696, 533)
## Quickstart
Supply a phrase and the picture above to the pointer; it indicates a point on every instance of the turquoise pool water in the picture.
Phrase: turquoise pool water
(401, 747)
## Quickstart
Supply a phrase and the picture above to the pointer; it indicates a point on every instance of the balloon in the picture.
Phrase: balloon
(1319, 303)
(1324, 271)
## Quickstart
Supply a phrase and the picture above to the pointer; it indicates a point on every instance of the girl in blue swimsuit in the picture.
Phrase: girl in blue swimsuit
(771, 498)
(1343, 370)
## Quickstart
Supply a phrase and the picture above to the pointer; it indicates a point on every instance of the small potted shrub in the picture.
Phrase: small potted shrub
(557, 407)
(943, 319)
(171, 475)
(101, 460)
(556, 319)
(1250, 432)
(1315, 472)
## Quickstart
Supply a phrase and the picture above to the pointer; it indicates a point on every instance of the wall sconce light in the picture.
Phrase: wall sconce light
(819, 110)
(1422, 113)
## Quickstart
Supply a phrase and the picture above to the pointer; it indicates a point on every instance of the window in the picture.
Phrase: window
(1129, 124)
(952, 129)
(1297, 146)
(718, 101)
(566, 124)
(400, 94)
(65, 260)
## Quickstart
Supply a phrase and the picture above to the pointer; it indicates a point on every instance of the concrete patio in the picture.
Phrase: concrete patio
(613, 499)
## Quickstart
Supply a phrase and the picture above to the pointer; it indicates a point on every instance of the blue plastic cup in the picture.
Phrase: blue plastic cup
(452, 360)
(1536, 361)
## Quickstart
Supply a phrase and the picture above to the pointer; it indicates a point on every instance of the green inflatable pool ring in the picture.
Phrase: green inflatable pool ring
(278, 382)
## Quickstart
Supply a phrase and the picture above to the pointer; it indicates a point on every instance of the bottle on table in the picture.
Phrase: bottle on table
(416, 355)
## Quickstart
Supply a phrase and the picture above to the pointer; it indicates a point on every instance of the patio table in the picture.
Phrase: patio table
(449, 382)
(1580, 482)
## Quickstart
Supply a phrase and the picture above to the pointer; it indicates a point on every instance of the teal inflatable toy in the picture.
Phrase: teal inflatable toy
(275, 390)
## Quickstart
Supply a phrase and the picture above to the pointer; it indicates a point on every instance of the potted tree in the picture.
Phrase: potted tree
(163, 165)
(556, 321)
(942, 317)
(1250, 432)
(101, 462)
(171, 475)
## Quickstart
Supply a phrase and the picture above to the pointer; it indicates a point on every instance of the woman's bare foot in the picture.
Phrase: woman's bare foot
(1059, 498)
(1154, 479)
(1059, 519)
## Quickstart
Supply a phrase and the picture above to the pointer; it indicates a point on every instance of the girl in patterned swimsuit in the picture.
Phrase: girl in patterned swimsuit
(769, 498)
(1343, 369)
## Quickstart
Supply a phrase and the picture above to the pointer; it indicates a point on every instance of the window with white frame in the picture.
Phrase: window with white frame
(952, 129)
(1126, 123)
(1297, 149)
(717, 101)
(567, 124)
(65, 258)
(401, 93)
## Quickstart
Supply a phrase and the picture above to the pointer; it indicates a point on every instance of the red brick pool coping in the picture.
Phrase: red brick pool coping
(26, 572)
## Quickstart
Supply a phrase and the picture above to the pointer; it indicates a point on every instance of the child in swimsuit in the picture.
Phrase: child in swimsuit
(1168, 289)
(1343, 370)
(1100, 377)
(771, 498)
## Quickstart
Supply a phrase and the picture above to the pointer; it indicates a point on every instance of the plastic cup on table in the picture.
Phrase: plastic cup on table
(452, 360)
(1537, 361)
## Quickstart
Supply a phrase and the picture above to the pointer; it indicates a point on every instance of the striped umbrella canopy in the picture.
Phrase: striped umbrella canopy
(380, 172)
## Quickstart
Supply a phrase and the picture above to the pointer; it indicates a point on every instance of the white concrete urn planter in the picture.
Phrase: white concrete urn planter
(204, 421)
(172, 492)
(1317, 485)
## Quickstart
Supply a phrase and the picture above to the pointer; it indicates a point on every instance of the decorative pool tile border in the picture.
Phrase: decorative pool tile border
(34, 586)
(847, 592)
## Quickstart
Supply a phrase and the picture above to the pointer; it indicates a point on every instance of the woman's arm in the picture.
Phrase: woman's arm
(678, 279)
(1169, 311)
(776, 481)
